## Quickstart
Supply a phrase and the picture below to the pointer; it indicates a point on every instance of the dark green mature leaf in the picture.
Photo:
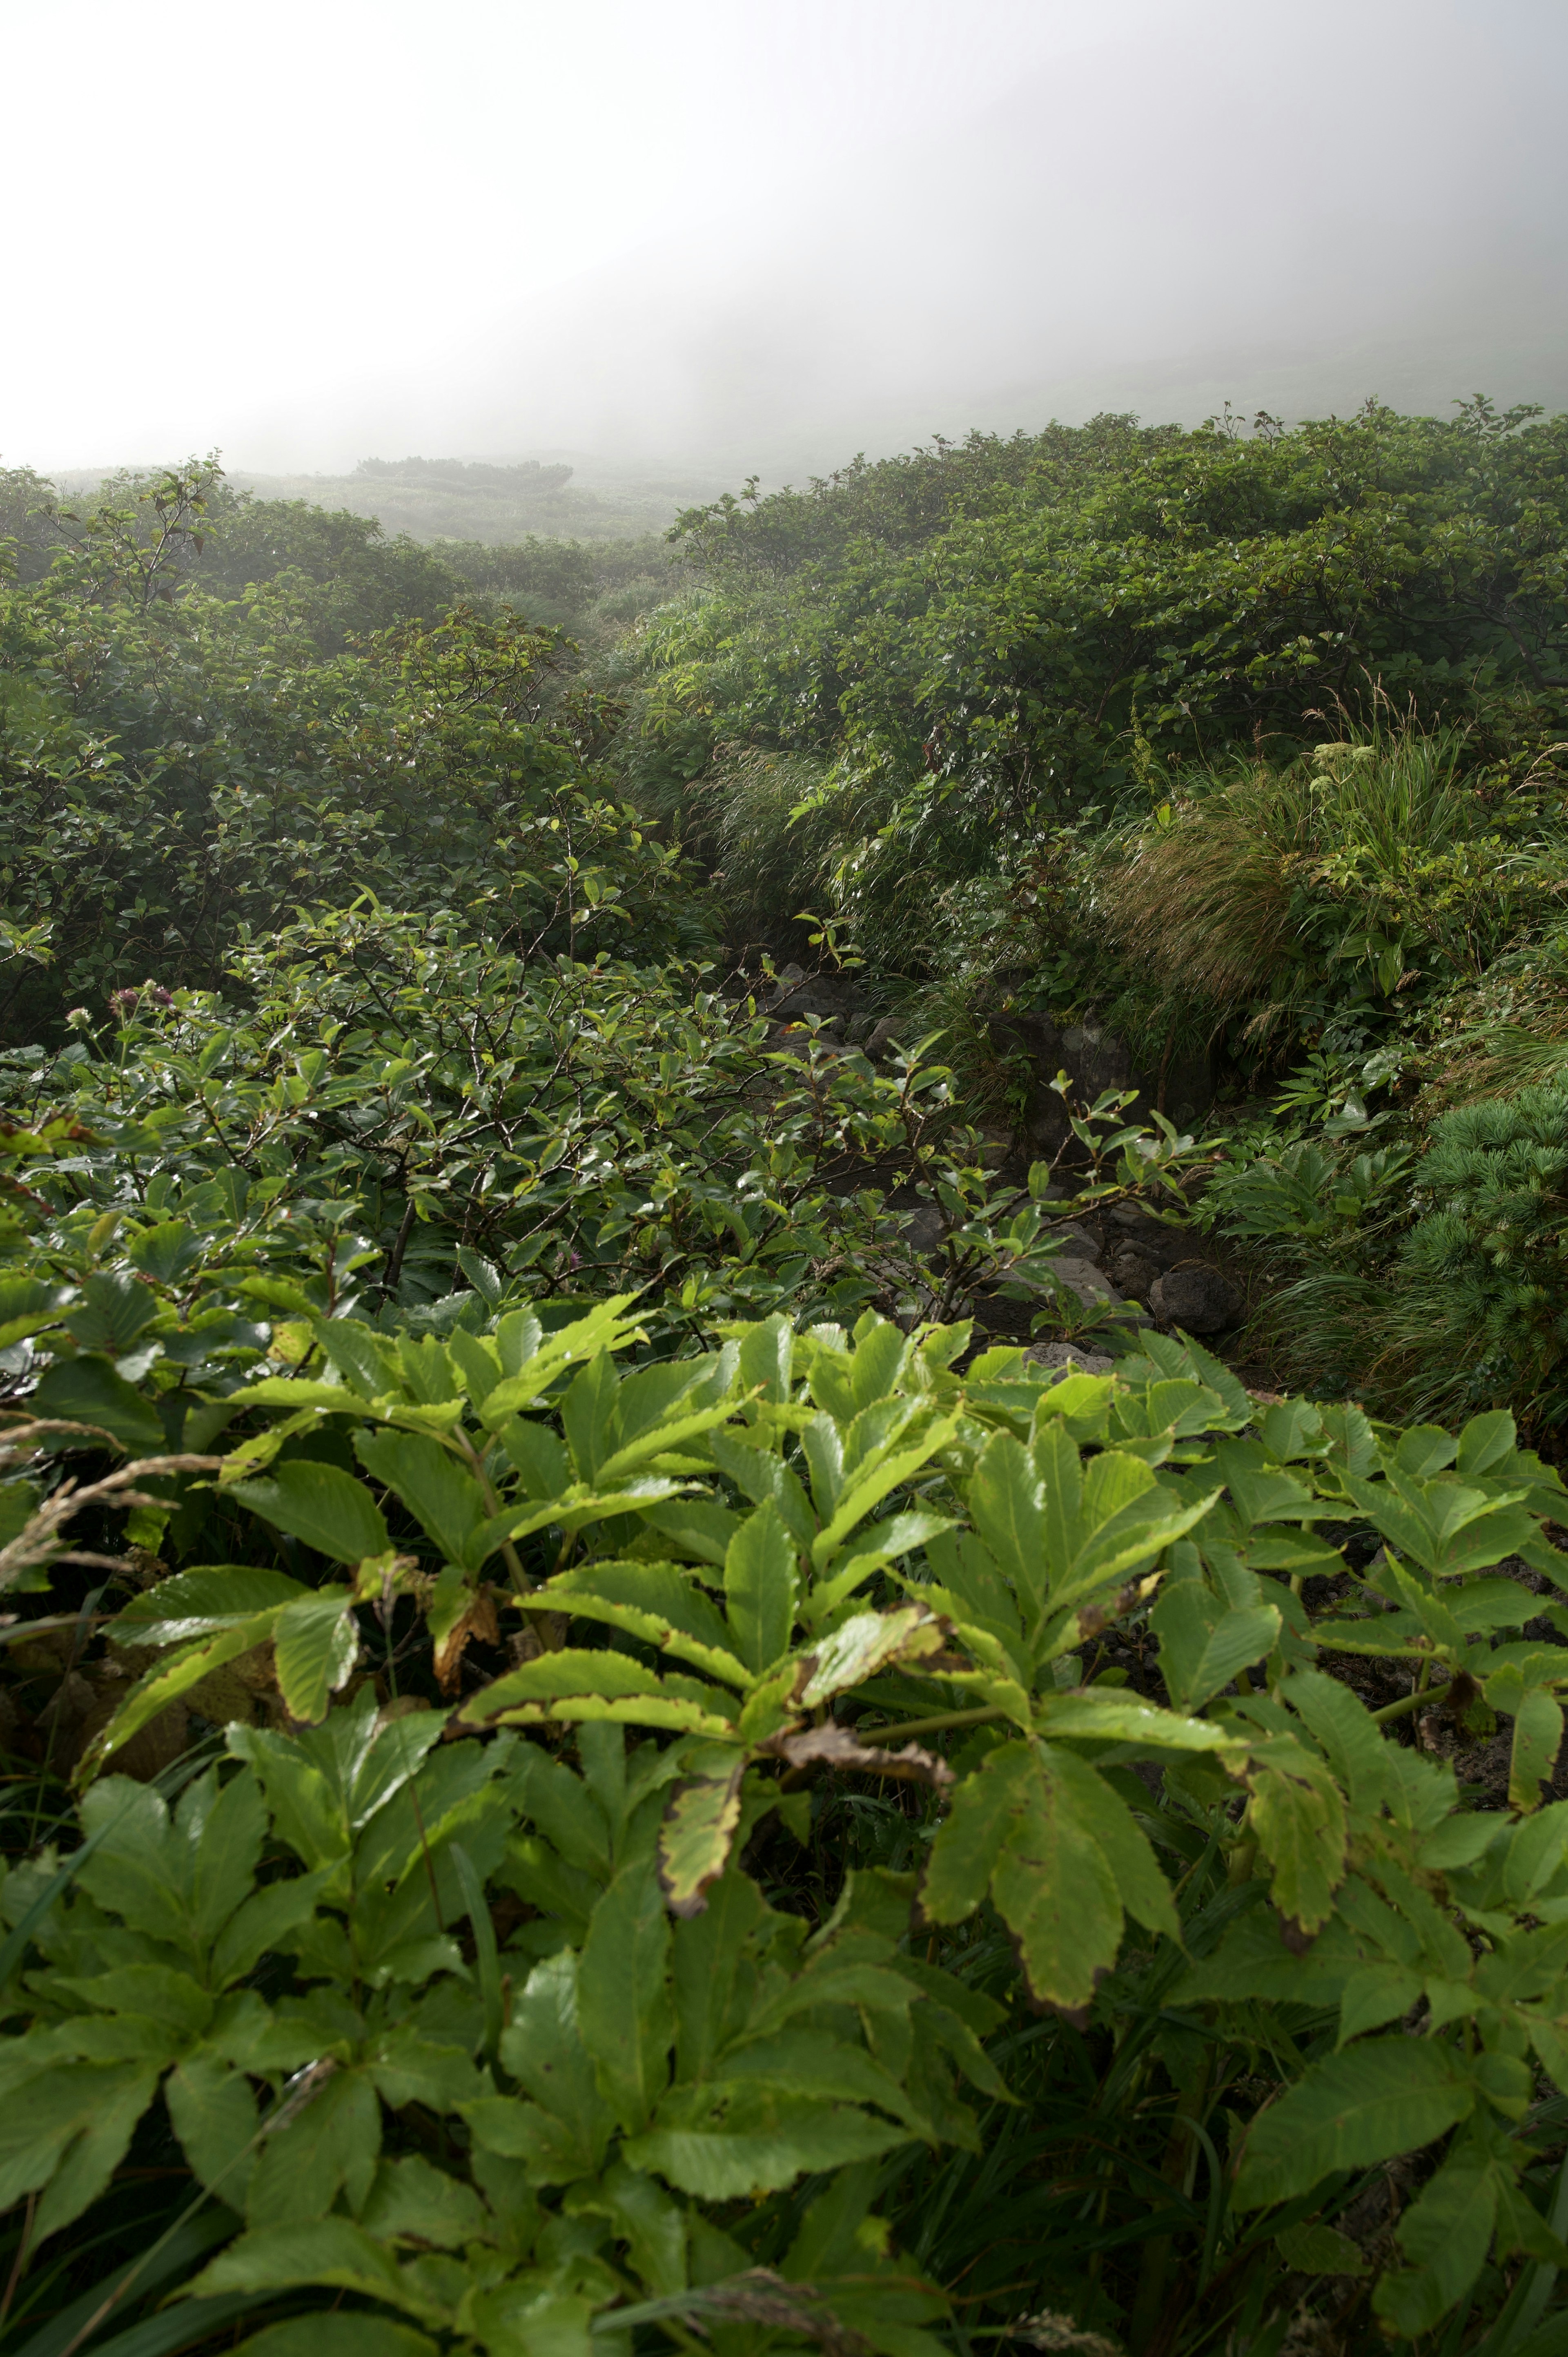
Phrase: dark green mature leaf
(1204, 1642)
(757, 2144)
(1299, 1819)
(1028, 1825)
(1382, 2096)
(314, 2250)
(623, 2010)
(110, 1311)
(560, 2133)
(761, 1580)
(1445, 2232)
(1537, 1741)
(64, 2132)
(209, 1596)
(27, 1304)
(316, 1644)
(440, 1493)
(336, 2336)
(87, 1390)
(320, 1504)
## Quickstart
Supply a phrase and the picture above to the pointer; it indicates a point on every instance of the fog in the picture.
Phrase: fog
(747, 236)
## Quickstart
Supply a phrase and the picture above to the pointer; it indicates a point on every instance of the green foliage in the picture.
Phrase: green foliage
(586, 1763)
(805, 1551)
(1455, 1308)
(1288, 896)
(981, 635)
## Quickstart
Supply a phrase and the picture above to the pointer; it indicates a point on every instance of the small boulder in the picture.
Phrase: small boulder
(1134, 1273)
(1197, 1298)
(1081, 1241)
(1081, 1276)
(926, 1230)
(1069, 1359)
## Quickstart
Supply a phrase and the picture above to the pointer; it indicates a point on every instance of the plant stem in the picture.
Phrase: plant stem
(942, 1720)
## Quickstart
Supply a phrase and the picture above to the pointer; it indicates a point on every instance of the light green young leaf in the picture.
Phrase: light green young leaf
(866, 1643)
(863, 1490)
(656, 1602)
(557, 1684)
(695, 1838)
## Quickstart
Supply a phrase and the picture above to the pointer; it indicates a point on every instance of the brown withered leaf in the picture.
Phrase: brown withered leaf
(477, 1619)
(839, 1747)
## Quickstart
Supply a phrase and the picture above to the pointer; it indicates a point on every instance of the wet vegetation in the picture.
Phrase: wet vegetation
(783, 1349)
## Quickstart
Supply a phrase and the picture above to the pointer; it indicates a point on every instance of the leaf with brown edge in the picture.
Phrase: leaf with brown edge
(475, 1616)
(696, 1837)
(838, 1747)
(864, 1643)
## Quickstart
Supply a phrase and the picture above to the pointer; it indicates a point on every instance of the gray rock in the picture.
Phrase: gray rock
(881, 1041)
(1134, 1273)
(1081, 1241)
(1068, 1359)
(1094, 1059)
(1081, 1277)
(818, 994)
(925, 1229)
(1198, 1300)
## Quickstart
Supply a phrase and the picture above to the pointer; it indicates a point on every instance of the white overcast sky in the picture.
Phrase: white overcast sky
(761, 232)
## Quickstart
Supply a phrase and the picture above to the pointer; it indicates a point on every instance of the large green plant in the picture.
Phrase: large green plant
(817, 1551)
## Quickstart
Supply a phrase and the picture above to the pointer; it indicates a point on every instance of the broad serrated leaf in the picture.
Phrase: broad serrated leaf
(1300, 1825)
(1537, 1741)
(316, 1645)
(1382, 2096)
(1204, 1642)
(623, 2010)
(720, 2165)
(199, 1602)
(760, 1582)
(695, 1838)
(88, 1390)
(320, 1504)
(443, 1497)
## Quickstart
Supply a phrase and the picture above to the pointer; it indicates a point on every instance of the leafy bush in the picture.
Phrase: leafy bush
(807, 1552)
(586, 1763)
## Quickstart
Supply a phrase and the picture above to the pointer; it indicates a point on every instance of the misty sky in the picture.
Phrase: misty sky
(762, 236)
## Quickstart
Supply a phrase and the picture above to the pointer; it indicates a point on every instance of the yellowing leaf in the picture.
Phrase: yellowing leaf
(696, 1836)
(867, 1643)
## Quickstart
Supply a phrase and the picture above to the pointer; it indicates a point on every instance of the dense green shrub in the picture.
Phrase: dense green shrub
(587, 1764)
(981, 638)
(800, 1556)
